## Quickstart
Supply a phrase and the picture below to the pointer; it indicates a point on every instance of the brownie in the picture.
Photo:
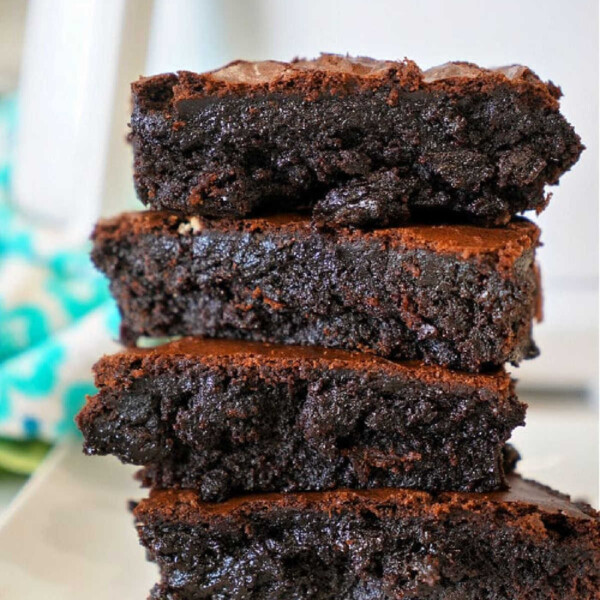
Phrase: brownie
(456, 295)
(229, 417)
(529, 543)
(354, 140)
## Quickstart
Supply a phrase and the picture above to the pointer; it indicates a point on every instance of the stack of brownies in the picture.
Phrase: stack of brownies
(336, 240)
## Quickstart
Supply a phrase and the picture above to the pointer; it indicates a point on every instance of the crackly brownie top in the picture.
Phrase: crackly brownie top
(522, 496)
(336, 74)
(464, 241)
(251, 354)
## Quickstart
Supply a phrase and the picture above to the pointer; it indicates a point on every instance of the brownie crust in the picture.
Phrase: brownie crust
(463, 297)
(352, 140)
(529, 543)
(228, 417)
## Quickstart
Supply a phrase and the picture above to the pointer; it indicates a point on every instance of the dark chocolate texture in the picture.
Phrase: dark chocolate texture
(459, 296)
(229, 417)
(529, 543)
(355, 141)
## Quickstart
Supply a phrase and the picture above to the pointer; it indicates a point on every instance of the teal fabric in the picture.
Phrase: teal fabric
(56, 315)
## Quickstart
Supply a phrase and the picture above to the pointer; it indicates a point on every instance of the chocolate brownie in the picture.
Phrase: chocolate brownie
(458, 296)
(231, 417)
(529, 543)
(357, 141)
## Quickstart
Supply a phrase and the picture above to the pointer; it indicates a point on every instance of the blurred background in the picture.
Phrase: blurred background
(65, 70)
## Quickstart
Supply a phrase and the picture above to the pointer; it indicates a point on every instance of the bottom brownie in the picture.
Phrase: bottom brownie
(528, 543)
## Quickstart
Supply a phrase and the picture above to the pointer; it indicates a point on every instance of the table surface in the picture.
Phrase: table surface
(68, 534)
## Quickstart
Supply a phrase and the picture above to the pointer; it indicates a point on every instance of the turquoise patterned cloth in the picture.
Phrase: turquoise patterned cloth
(56, 316)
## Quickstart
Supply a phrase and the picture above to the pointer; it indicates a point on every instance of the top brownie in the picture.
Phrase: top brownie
(354, 141)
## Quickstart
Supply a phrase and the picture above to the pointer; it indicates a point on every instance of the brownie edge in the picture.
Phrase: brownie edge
(529, 543)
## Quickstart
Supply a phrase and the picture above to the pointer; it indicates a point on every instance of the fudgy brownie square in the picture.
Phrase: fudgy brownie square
(228, 417)
(458, 296)
(354, 140)
(529, 543)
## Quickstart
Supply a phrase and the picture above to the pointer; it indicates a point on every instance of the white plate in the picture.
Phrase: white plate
(69, 535)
